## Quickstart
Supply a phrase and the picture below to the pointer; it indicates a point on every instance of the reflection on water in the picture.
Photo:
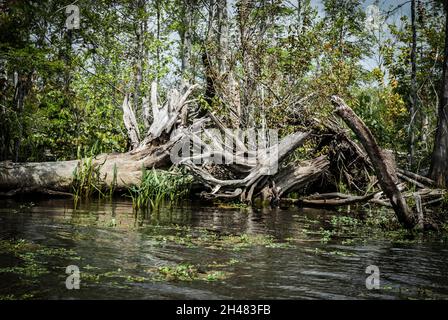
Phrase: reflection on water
(117, 250)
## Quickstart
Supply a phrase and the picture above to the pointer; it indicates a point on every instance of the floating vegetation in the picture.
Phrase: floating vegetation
(25, 296)
(177, 272)
(377, 225)
(231, 205)
(180, 272)
(157, 186)
(329, 252)
(201, 237)
(187, 272)
(33, 258)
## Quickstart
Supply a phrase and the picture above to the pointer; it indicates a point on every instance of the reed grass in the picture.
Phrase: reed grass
(159, 186)
(86, 177)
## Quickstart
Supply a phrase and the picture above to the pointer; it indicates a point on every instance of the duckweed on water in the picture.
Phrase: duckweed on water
(183, 272)
(25, 296)
(188, 272)
(378, 225)
(214, 240)
(32, 257)
(318, 251)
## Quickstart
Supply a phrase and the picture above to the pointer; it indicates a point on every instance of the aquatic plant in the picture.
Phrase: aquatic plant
(86, 176)
(188, 272)
(158, 186)
(32, 257)
(180, 272)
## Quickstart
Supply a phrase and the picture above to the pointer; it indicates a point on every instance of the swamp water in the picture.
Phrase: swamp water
(208, 252)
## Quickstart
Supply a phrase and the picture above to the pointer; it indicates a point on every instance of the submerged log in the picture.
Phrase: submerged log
(383, 172)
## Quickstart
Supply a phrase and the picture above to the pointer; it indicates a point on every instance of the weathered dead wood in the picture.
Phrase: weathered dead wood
(339, 200)
(130, 122)
(382, 171)
(410, 180)
(58, 176)
(419, 209)
(334, 199)
(165, 117)
(424, 180)
(349, 164)
(297, 176)
(262, 167)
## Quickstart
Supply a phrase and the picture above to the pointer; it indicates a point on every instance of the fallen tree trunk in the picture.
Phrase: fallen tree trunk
(334, 199)
(423, 180)
(48, 177)
(120, 169)
(383, 172)
(296, 176)
(154, 150)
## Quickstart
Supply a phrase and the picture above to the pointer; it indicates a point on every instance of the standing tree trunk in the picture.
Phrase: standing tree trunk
(413, 95)
(439, 164)
(185, 38)
(223, 34)
(248, 85)
(139, 27)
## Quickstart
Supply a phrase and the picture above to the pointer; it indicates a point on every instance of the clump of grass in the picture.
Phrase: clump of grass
(113, 185)
(86, 177)
(157, 186)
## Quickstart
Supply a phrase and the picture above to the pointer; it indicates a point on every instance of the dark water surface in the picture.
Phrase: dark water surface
(119, 255)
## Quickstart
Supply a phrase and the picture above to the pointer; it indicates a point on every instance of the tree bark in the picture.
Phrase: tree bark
(59, 175)
(413, 95)
(439, 163)
(185, 36)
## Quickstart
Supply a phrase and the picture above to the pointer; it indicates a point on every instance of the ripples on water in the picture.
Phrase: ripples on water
(107, 237)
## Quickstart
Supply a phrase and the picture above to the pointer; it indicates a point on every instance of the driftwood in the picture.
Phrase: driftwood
(335, 199)
(257, 173)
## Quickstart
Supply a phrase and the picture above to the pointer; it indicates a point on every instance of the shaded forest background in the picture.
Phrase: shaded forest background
(264, 62)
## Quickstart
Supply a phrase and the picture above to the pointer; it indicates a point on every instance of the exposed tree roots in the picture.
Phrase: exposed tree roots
(272, 175)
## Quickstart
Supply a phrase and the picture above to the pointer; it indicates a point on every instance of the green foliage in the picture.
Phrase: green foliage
(32, 257)
(87, 178)
(385, 113)
(180, 272)
(73, 81)
(158, 186)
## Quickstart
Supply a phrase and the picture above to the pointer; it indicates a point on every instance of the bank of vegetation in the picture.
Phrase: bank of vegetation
(360, 102)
